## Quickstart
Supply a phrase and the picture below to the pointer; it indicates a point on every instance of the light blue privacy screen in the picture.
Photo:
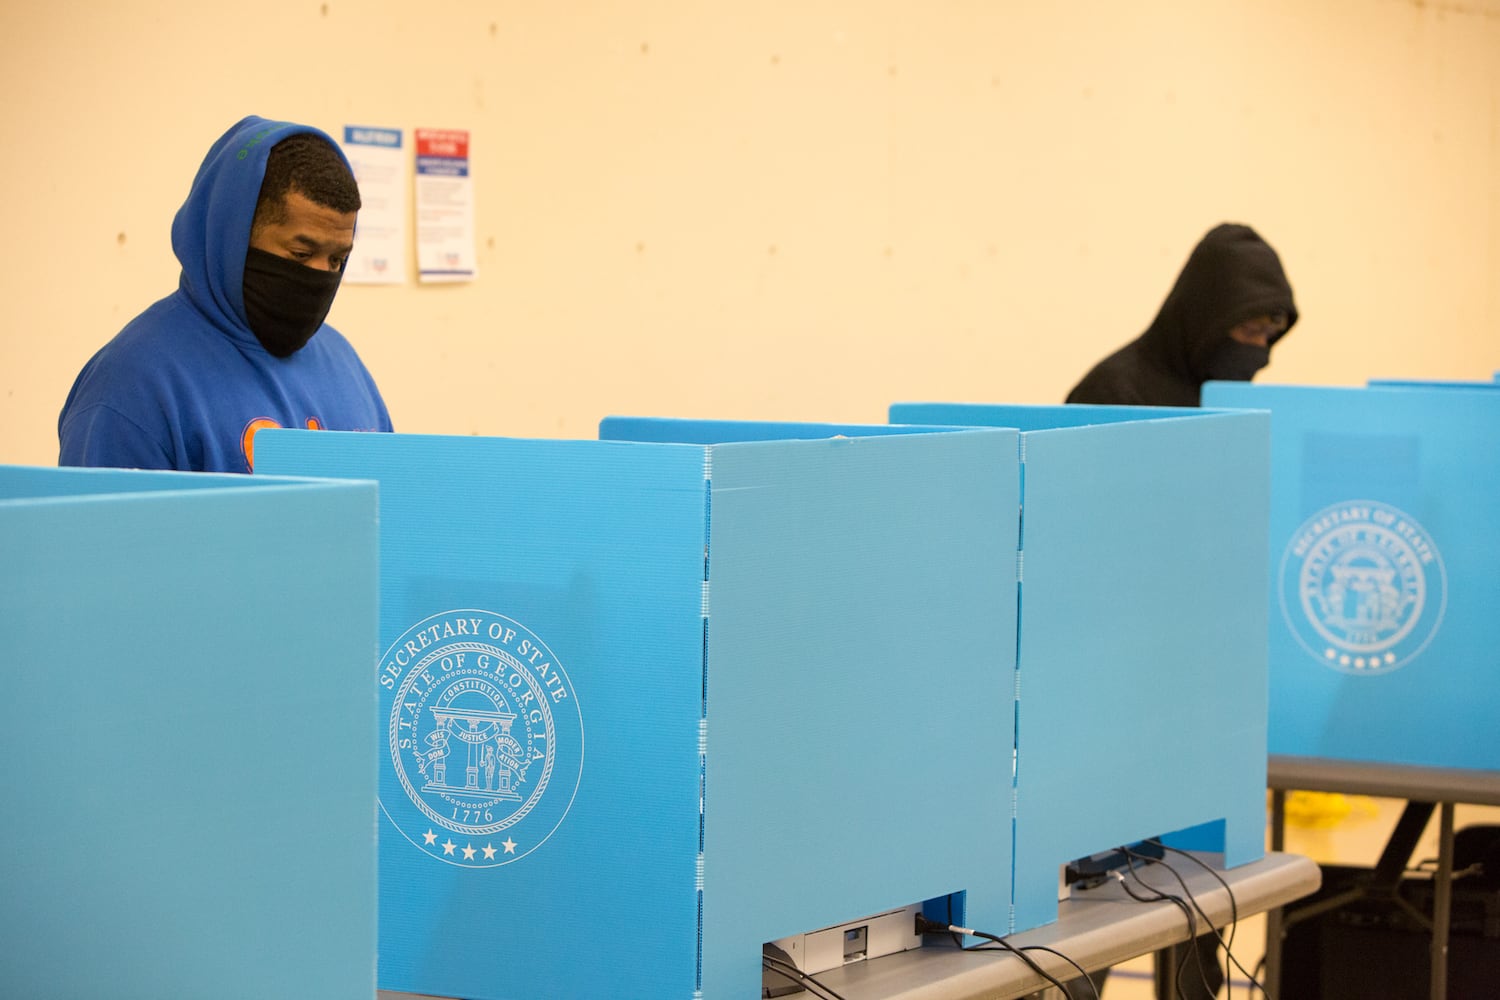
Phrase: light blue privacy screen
(1395, 383)
(788, 632)
(189, 793)
(1142, 636)
(1384, 547)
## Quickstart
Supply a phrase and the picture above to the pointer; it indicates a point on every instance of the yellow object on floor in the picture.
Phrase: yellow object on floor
(1323, 810)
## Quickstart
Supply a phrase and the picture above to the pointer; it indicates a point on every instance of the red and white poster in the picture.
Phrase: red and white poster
(445, 206)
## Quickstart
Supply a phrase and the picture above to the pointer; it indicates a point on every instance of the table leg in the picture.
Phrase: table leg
(1165, 973)
(1442, 903)
(1274, 931)
(1391, 868)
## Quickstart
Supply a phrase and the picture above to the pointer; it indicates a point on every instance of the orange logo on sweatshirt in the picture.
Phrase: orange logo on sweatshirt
(247, 438)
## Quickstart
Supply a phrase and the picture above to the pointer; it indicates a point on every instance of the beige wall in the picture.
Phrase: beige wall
(796, 210)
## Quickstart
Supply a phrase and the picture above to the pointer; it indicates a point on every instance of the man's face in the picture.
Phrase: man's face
(311, 234)
(1260, 331)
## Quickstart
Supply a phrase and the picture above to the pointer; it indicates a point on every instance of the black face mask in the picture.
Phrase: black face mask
(1233, 361)
(285, 302)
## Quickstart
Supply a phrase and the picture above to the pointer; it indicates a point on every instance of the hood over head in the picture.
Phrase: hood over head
(211, 231)
(1231, 276)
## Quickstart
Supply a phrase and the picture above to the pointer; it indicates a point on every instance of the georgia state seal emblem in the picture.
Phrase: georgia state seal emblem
(484, 738)
(1363, 587)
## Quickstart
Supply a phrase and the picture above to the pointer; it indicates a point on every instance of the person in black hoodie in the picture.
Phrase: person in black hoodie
(1229, 306)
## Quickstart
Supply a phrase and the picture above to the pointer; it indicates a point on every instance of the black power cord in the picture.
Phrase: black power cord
(1083, 975)
(1187, 894)
(1180, 904)
(925, 926)
(1234, 917)
(796, 975)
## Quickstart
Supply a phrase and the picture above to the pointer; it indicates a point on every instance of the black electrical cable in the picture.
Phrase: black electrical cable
(796, 975)
(1184, 907)
(926, 926)
(958, 941)
(1082, 972)
(1234, 910)
(1007, 946)
(1228, 945)
(1030, 962)
(1192, 921)
(1234, 916)
(1188, 895)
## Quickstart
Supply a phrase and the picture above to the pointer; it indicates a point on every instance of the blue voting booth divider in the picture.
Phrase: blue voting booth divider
(1403, 383)
(1384, 547)
(189, 787)
(646, 706)
(1141, 700)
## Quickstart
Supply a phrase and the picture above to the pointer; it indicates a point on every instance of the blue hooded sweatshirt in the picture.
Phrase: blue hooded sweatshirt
(186, 385)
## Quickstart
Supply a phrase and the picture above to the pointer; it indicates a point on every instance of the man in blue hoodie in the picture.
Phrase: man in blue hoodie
(241, 344)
